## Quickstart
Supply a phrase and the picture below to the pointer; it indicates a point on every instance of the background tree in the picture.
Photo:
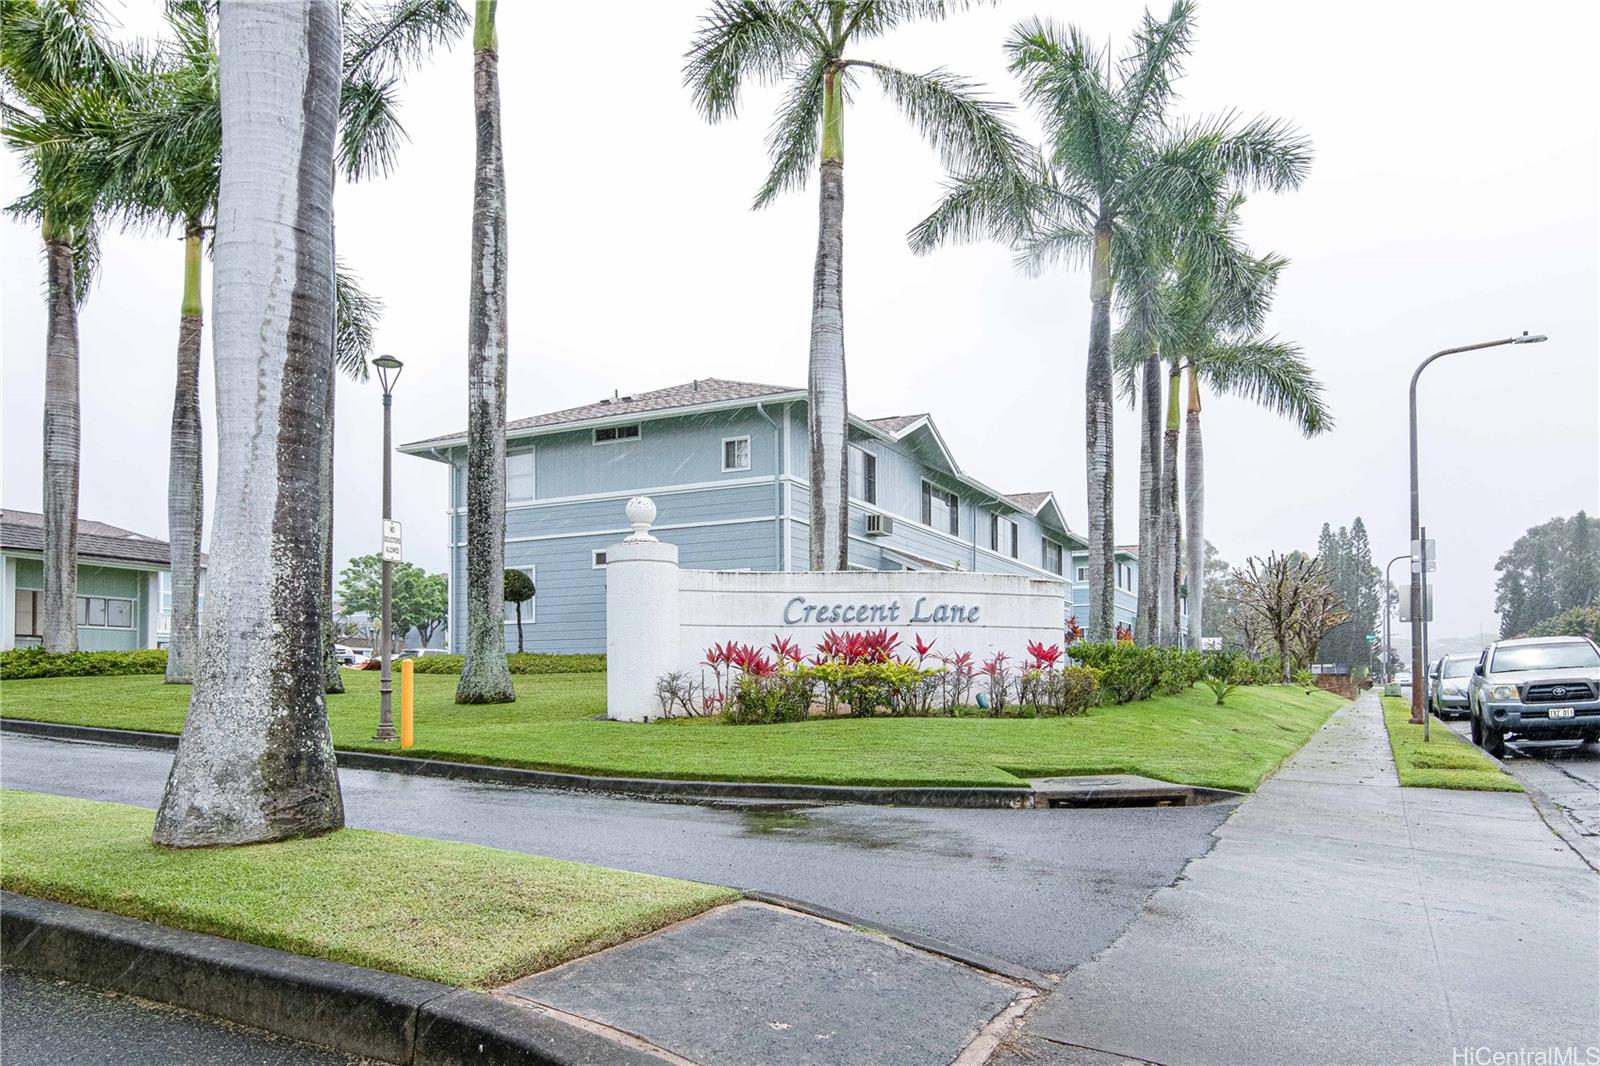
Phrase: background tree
(48, 47)
(1291, 600)
(417, 599)
(803, 45)
(255, 761)
(1115, 164)
(1550, 569)
(1356, 581)
(485, 677)
(519, 590)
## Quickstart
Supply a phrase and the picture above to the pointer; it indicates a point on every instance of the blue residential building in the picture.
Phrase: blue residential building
(726, 463)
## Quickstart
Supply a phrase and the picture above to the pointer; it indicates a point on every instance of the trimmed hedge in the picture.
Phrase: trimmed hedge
(21, 664)
(519, 662)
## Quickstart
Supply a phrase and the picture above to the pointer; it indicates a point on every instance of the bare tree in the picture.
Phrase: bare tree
(1291, 599)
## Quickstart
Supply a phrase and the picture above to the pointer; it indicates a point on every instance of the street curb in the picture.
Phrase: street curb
(643, 787)
(348, 1008)
(1551, 814)
(977, 960)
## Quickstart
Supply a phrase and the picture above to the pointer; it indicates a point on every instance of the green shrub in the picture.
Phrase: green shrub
(784, 696)
(1220, 670)
(1177, 670)
(519, 663)
(1128, 671)
(867, 688)
(22, 663)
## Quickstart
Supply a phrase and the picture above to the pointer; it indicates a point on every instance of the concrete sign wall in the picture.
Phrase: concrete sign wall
(660, 618)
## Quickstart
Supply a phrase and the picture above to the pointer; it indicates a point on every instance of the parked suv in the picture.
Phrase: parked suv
(1539, 688)
(1448, 682)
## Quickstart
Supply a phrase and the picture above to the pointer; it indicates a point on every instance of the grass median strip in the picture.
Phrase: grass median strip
(1184, 738)
(1446, 761)
(460, 914)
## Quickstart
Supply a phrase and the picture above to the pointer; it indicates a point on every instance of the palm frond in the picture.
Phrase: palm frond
(1155, 62)
(1062, 242)
(370, 133)
(990, 206)
(1269, 372)
(873, 18)
(741, 41)
(355, 324)
(382, 41)
(967, 129)
(792, 141)
(1062, 78)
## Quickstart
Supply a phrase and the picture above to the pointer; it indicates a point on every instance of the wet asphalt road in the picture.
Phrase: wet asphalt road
(53, 1023)
(1046, 889)
(1567, 772)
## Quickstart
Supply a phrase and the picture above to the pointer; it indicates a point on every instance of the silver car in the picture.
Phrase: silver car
(1448, 682)
(1537, 688)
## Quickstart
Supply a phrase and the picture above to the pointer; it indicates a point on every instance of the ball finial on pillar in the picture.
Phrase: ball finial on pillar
(641, 516)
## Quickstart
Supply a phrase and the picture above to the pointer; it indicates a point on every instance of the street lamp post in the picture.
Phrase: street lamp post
(1418, 666)
(386, 365)
(1388, 643)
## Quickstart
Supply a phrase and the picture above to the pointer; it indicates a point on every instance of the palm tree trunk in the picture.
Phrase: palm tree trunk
(332, 677)
(255, 761)
(1097, 442)
(485, 678)
(61, 444)
(827, 403)
(1194, 493)
(1144, 627)
(1167, 553)
(185, 478)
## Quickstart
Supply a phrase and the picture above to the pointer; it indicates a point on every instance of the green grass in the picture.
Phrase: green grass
(1446, 761)
(456, 913)
(1183, 738)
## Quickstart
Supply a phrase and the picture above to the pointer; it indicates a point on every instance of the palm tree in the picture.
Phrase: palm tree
(803, 44)
(165, 149)
(255, 761)
(485, 677)
(1114, 164)
(46, 48)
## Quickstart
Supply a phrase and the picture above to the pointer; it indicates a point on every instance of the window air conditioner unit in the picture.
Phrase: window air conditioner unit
(880, 525)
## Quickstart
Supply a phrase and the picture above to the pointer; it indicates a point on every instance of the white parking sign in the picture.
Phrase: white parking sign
(391, 541)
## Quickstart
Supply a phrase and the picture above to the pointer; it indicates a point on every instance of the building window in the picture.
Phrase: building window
(1125, 576)
(863, 475)
(941, 509)
(1002, 535)
(30, 612)
(1052, 556)
(1083, 573)
(599, 560)
(527, 604)
(105, 612)
(735, 454)
(519, 475)
(612, 434)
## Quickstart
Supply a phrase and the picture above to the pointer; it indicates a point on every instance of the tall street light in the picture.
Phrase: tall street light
(1418, 633)
(388, 368)
(1388, 644)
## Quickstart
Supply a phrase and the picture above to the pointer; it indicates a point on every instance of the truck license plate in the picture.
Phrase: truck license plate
(1561, 712)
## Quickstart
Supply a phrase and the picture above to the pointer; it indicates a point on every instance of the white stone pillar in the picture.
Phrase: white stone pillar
(641, 617)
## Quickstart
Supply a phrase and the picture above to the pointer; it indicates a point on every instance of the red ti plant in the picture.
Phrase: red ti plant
(923, 648)
(999, 675)
(1074, 630)
(786, 651)
(1042, 656)
(1124, 633)
(871, 646)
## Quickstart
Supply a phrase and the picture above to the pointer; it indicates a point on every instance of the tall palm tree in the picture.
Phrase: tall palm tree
(485, 676)
(1114, 163)
(46, 48)
(255, 761)
(806, 45)
(165, 148)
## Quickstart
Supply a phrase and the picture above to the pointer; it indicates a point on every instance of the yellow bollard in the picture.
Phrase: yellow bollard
(406, 691)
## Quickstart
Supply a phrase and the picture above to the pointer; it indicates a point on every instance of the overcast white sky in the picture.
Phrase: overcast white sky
(1453, 199)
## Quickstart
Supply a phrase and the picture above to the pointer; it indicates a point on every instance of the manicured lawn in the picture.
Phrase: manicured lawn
(1183, 738)
(457, 913)
(1446, 761)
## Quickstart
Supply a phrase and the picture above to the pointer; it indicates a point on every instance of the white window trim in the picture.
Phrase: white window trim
(1044, 556)
(133, 612)
(594, 435)
(749, 455)
(866, 457)
(530, 610)
(532, 453)
(955, 510)
(595, 562)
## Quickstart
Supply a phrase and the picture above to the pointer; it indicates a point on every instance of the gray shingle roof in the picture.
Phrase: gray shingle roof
(691, 394)
(895, 423)
(1028, 501)
(24, 531)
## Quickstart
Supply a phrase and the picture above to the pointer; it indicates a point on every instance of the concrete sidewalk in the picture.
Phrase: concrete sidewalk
(1341, 918)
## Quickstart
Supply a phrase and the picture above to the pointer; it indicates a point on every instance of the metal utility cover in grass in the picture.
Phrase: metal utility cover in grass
(753, 983)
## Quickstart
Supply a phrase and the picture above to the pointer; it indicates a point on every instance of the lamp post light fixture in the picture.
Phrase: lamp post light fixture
(1418, 627)
(388, 368)
(1388, 606)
